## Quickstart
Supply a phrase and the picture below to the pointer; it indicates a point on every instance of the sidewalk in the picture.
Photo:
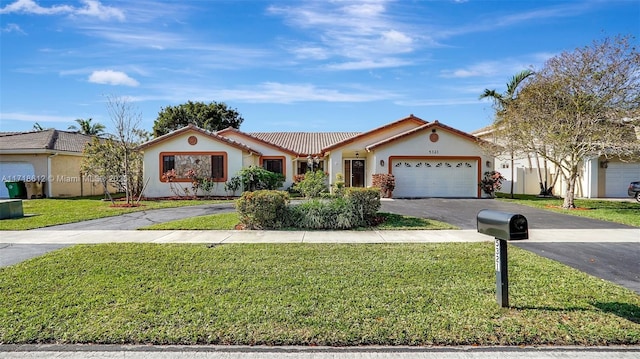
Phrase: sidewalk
(233, 236)
(262, 352)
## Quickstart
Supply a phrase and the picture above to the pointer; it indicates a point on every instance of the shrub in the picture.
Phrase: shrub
(386, 182)
(491, 182)
(263, 209)
(338, 185)
(255, 178)
(322, 214)
(313, 184)
(364, 204)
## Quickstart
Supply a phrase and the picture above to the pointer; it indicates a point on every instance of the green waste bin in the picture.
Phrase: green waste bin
(16, 189)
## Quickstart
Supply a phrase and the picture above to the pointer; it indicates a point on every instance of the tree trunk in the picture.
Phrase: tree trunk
(569, 194)
(512, 178)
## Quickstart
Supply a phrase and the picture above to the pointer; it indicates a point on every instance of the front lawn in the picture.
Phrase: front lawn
(228, 221)
(613, 211)
(52, 211)
(307, 294)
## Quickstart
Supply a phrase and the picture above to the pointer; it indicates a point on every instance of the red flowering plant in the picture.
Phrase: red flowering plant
(491, 182)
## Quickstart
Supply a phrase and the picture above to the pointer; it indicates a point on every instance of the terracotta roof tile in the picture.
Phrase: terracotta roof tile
(303, 143)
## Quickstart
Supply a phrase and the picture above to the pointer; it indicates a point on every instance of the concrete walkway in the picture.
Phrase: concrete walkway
(259, 352)
(233, 236)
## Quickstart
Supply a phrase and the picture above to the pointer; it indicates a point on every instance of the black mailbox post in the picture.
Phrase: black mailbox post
(502, 226)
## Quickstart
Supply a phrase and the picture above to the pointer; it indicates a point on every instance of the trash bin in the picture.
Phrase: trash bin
(16, 189)
(40, 189)
(34, 190)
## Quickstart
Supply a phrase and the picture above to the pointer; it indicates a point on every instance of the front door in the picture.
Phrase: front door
(354, 173)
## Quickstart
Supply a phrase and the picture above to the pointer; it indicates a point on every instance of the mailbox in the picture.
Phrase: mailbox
(502, 225)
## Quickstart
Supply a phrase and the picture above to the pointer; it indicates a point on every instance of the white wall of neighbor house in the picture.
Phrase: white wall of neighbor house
(180, 144)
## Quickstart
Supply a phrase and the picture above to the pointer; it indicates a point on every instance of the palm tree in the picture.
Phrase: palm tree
(88, 128)
(501, 101)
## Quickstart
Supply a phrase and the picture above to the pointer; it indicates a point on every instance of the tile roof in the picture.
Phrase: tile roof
(192, 127)
(303, 143)
(48, 140)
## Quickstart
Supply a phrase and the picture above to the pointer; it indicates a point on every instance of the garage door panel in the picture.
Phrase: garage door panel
(14, 171)
(435, 178)
(618, 175)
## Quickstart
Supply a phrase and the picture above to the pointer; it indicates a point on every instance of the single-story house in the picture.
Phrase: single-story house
(428, 159)
(600, 177)
(51, 156)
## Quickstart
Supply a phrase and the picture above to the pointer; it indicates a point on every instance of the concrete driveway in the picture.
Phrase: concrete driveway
(462, 213)
(615, 262)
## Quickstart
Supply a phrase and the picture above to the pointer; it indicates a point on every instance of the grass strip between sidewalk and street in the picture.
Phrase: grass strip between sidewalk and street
(307, 294)
(51, 211)
(624, 212)
(228, 221)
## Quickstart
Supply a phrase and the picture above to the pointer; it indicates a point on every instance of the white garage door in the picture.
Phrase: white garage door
(435, 178)
(618, 175)
(14, 171)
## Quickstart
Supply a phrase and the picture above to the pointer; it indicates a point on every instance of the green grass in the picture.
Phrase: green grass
(49, 212)
(305, 294)
(220, 221)
(227, 221)
(400, 222)
(613, 211)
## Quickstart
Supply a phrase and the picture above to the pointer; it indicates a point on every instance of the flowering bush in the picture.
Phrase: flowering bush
(386, 182)
(491, 182)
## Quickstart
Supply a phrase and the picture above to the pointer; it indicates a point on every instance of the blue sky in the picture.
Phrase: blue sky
(284, 65)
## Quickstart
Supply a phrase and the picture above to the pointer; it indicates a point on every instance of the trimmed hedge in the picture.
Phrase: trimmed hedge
(364, 203)
(264, 209)
(270, 210)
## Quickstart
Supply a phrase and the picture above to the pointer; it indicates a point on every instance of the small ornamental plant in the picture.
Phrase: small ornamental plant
(386, 182)
(491, 182)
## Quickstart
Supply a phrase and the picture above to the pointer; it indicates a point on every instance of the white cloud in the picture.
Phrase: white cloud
(498, 68)
(274, 92)
(31, 7)
(92, 8)
(368, 64)
(110, 77)
(354, 33)
(96, 9)
(26, 117)
(13, 28)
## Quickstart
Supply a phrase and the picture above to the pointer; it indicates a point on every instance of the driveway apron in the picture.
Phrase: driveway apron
(615, 262)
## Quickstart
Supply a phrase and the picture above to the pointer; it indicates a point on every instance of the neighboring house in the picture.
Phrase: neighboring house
(428, 159)
(50, 156)
(600, 177)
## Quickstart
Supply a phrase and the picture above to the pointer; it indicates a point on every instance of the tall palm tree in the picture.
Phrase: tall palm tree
(88, 128)
(502, 101)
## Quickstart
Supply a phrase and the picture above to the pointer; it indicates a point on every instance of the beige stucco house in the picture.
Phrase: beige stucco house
(428, 159)
(52, 157)
(600, 176)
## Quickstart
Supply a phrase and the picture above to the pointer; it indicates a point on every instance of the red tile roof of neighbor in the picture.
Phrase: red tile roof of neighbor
(51, 140)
